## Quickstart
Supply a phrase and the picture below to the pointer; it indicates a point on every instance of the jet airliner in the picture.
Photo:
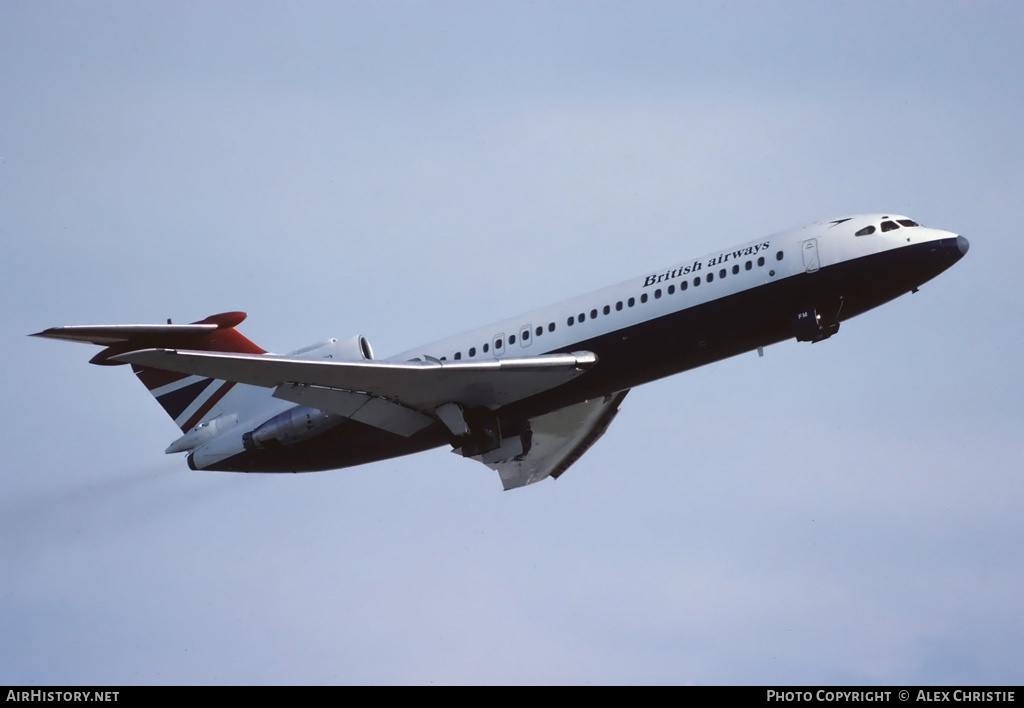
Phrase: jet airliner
(526, 396)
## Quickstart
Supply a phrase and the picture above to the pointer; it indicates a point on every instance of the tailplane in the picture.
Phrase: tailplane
(187, 399)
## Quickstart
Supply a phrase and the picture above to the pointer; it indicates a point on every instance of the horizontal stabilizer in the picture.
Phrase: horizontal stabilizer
(215, 333)
(105, 335)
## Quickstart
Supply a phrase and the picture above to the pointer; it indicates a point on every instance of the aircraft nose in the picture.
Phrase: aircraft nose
(951, 248)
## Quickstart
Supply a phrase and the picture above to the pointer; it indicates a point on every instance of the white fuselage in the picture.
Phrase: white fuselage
(560, 327)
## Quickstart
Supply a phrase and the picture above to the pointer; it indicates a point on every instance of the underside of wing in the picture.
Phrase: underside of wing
(552, 442)
(346, 387)
(189, 368)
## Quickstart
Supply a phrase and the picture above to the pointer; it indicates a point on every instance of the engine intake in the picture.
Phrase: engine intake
(355, 348)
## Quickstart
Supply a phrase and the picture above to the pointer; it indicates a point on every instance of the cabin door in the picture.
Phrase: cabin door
(810, 249)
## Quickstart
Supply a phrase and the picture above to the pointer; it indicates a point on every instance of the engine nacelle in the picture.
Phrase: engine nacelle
(294, 425)
(215, 441)
(355, 348)
(202, 434)
(220, 448)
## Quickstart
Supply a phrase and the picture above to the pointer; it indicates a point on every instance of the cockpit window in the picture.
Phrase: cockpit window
(866, 231)
(907, 222)
(889, 226)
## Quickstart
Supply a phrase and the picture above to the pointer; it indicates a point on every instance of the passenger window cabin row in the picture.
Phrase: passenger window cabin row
(607, 309)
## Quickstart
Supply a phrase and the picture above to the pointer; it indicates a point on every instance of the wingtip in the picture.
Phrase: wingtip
(585, 360)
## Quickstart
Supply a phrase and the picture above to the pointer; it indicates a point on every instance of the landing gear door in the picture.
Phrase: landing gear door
(810, 251)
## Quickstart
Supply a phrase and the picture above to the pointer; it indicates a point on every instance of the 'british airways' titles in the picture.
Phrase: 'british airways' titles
(712, 262)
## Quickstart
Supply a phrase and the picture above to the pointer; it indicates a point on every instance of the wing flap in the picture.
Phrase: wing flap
(360, 407)
(556, 441)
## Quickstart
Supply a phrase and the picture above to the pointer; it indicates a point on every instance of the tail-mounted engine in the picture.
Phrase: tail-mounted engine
(211, 442)
(294, 425)
(355, 348)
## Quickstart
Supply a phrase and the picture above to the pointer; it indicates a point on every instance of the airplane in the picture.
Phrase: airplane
(526, 396)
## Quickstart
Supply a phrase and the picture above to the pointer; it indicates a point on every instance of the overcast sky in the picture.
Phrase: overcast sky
(847, 512)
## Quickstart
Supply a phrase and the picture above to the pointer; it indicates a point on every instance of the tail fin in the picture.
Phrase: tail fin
(188, 400)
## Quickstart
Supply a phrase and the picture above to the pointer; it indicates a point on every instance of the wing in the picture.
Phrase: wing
(554, 441)
(399, 397)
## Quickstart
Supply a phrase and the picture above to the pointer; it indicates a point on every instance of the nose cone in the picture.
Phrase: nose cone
(950, 249)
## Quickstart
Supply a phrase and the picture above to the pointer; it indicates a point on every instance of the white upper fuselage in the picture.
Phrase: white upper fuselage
(558, 327)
